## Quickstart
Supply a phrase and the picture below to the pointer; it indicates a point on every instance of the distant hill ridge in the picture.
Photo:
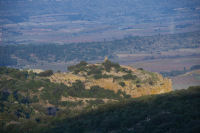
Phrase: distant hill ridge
(36, 55)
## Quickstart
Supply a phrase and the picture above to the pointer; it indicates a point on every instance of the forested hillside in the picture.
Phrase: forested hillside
(175, 112)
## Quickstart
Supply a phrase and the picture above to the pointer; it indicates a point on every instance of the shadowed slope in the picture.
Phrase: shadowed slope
(173, 112)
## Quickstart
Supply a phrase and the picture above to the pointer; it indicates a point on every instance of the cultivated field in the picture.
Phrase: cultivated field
(174, 60)
(168, 64)
(164, 60)
(186, 80)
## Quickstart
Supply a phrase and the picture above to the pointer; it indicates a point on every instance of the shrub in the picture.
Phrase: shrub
(125, 70)
(46, 73)
(94, 70)
(70, 103)
(108, 65)
(95, 102)
(151, 82)
(20, 75)
(99, 92)
(98, 76)
(195, 67)
(78, 67)
(122, 84)
(140, 69)
(35, 99)
(82, 63)
(129, 76)
(78, 85)
(15, 73)
(138, 85)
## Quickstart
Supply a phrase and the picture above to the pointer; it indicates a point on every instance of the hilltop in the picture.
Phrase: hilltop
(112, 76)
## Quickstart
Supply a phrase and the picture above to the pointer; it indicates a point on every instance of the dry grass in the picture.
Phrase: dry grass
(84, 100)
(66, 78)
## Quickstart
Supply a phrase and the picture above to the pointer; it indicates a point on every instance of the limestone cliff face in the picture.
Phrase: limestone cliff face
(163, 85)
(135, 82)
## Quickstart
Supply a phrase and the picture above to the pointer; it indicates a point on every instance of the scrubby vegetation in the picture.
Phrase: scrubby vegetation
(79, 67)
(174, 112)
(98, 71)
(112, 76)
(46, 73)
(29, 97)
(108, 65)
(28, 100)
(129, 76)
(95, 70)
(177, 111)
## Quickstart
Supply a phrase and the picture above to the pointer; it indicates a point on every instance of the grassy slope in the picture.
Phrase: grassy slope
(178, 111)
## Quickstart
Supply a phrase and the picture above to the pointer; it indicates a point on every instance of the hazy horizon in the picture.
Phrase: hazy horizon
(66, 21)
